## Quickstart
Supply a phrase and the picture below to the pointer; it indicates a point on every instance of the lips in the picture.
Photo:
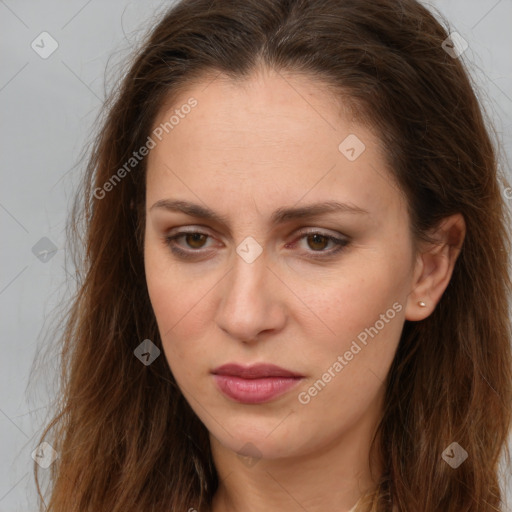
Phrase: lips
(257, 371)
(254, 384)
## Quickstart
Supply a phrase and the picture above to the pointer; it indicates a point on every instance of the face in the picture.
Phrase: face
(245, 271)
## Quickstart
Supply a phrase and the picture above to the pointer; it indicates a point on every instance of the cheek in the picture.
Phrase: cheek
(169, 309)
(170, 292)
(364, 313)
(177, 301)
(346, 306)
(348, 368)
(162, 289)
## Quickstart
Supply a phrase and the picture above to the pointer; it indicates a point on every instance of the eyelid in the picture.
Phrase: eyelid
(321, 231)
(198, 229)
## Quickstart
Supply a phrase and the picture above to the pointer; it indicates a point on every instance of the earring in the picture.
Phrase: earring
(422, 304)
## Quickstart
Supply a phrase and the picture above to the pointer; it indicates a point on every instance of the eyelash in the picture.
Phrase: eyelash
(340, 244)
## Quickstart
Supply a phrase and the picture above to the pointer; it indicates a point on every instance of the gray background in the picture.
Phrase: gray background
(48, 110)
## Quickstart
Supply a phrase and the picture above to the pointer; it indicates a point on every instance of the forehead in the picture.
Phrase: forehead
(272, 135)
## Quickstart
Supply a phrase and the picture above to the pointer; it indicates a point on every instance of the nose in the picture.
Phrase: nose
(253, 301)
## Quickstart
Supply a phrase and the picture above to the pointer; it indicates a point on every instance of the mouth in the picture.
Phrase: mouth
(254, 384)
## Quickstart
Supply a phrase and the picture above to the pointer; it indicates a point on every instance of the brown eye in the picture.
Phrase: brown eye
(195, 240)
(317, 241)
(317, 244)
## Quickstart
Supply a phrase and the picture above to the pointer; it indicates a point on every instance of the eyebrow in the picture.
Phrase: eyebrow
(279, 216)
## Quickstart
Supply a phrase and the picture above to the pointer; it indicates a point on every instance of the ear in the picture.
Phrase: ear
(434, 267)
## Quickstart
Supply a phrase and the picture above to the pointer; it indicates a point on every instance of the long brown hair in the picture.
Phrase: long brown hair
(127, 439)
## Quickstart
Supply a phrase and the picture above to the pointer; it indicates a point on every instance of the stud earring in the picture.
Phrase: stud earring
(422, 304)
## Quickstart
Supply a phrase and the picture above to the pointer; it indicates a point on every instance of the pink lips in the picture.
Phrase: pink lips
(254, 384)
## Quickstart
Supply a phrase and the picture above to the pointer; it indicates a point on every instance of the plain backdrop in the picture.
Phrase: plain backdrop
(48, 107)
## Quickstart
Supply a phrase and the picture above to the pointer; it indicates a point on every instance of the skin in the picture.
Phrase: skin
(247, 149)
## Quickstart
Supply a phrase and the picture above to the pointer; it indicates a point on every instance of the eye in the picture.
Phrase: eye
(317, 242)
(196, 240)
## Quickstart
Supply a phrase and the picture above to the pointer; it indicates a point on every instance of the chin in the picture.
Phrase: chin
(263, 441)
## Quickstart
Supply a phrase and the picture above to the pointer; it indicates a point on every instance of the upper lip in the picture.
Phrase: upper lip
(256, 371)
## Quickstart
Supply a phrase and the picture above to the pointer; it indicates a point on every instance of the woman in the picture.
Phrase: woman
(295, 284)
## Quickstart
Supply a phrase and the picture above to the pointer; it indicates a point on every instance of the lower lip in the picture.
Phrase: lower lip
(255, 391)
